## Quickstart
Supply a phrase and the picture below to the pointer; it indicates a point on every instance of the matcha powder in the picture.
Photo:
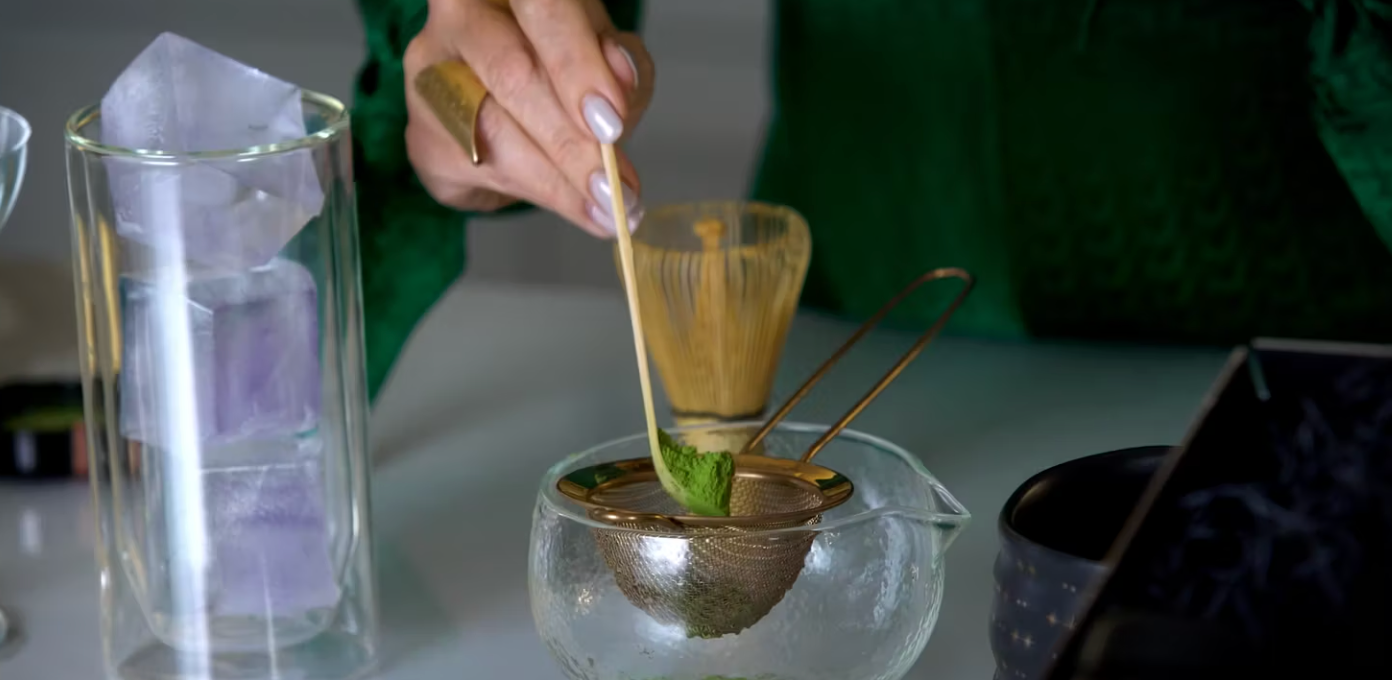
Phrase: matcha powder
(701, 482)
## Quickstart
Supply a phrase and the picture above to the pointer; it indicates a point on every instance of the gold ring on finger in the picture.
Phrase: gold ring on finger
(455, 94)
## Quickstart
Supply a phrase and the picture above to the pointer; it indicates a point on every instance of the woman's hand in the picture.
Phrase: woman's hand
(560, 78)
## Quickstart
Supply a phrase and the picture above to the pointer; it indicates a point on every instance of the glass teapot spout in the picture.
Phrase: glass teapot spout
(948, 516)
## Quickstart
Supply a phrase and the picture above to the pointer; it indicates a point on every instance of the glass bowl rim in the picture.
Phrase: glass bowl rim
(24, 136)
(953, 511)
(336, 123)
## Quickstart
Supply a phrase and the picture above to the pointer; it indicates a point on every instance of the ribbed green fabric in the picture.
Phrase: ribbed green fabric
(1159, 170)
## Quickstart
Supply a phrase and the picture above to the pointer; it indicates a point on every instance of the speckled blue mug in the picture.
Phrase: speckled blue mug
(1054, 531)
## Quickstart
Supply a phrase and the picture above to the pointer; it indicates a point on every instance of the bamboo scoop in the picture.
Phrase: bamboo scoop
(616, 202)
(693, 465)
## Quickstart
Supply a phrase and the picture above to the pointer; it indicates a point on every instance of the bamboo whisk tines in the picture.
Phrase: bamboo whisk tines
(719, 284)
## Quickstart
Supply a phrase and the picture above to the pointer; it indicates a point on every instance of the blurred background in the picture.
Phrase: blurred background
(699, 140)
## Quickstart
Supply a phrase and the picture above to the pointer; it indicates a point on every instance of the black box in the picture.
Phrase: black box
(1263, 545)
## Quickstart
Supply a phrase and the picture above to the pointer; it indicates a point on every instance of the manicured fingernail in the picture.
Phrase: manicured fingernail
(604, 219)
(599, 189)
(603, 120)
(632, 65)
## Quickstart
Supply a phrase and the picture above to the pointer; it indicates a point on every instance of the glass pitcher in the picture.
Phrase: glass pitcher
(225, 402)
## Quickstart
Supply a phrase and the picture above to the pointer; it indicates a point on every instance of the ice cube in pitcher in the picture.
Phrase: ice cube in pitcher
(246, 557)
(237, 352)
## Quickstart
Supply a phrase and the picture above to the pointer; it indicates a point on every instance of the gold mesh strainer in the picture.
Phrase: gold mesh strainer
(720, 575)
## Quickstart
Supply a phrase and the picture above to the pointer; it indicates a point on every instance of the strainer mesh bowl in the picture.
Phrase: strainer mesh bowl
(713, 581)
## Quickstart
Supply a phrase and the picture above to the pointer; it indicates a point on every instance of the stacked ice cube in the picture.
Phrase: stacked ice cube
(268, 516)
(220, 334)
(220, 212)
(254, 341)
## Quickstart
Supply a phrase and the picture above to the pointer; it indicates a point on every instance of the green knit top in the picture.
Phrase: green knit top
(1197, 171)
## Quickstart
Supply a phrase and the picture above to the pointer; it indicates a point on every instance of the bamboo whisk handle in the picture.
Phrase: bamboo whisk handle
(711, 231)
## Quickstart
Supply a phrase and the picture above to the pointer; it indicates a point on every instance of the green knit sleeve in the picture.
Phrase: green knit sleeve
(412, 247)
(1351, 72)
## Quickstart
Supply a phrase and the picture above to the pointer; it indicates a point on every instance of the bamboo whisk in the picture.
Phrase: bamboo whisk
(718, 284)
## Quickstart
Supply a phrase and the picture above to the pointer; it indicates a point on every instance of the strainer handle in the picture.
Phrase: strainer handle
(909, 356)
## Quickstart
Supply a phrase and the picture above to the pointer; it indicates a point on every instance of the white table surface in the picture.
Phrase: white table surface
(500, 382)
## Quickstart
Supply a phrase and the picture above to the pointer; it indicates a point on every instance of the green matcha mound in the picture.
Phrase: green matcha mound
(699, 623)
(708, 607)
(701, 482)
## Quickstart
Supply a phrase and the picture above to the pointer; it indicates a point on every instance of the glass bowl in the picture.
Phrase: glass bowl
(863, 606)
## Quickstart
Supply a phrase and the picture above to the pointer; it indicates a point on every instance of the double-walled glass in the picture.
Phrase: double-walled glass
(223, 376)
(863, 605)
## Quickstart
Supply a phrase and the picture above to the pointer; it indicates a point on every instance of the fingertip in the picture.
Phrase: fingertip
(622, 63)
(603, 220)
(602, 118)
(600, 218)
(644, 70)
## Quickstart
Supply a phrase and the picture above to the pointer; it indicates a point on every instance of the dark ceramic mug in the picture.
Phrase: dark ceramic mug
(1054, 531)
